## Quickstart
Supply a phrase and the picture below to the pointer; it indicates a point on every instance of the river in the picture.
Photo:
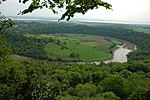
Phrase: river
(120, 54)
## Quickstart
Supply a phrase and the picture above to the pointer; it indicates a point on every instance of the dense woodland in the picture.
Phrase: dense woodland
(27, 46)
(41, 80)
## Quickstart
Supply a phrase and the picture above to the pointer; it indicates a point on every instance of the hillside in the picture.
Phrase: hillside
(42, 80)
(121, 31)
(63, 47)
(28, 79)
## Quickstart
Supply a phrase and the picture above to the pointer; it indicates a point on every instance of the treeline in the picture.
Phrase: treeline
(124, 32)
(27, 46)
(30, 80)
(139, 55)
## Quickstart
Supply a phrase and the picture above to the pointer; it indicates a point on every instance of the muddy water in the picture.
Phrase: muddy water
(120, 55)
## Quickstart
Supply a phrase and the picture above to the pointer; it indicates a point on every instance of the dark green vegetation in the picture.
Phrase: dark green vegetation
(5, 23)
(27, 46)
(32, 80)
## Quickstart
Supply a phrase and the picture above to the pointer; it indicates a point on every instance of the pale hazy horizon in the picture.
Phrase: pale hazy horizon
(123, 10)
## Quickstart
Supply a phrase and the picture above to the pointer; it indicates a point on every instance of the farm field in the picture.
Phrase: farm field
(78, 47)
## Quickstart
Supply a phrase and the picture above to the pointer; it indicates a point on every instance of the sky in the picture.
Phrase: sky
(123, 10)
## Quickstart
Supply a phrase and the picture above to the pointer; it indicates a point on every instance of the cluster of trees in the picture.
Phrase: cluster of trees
(139, 55)
(27, 46)
(5, 50)
(32, 80)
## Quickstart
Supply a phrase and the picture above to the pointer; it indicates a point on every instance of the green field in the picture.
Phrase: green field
(144, 30)
(117, 42)
(78, 47)
(105, 47)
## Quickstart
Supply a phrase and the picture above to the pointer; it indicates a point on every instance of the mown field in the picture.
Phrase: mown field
(78, 47)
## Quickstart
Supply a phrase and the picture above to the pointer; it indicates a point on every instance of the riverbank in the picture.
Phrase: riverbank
(129, 45)
(119, 55)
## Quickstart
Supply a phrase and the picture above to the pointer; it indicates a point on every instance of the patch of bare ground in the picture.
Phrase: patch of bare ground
(101, 41)
(129, 45)
(21, 57)
(86, 40)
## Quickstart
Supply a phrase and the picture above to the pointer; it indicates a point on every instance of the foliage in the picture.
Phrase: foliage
(5, 23)
(74, 55)
(71, 6)
(5, 50)
(31, 47)
(58, 81)
(139, 55)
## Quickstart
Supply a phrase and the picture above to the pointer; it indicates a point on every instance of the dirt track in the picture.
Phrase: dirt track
(20, 57)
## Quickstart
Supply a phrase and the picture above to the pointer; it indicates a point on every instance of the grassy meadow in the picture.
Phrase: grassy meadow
(78, 47)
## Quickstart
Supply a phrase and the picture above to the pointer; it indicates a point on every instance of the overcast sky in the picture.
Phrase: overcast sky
(125, 10)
